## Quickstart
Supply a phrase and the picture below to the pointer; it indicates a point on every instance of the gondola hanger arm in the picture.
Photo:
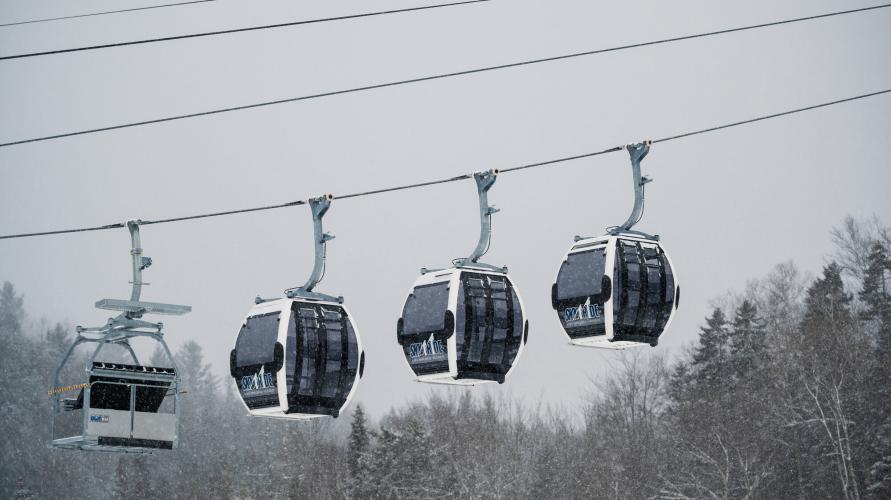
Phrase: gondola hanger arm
(318, 207)
(484, 181)
(637, 152)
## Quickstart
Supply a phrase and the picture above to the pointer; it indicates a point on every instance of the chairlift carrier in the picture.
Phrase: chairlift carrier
(464, 325)
(618, 290)
(124, 408)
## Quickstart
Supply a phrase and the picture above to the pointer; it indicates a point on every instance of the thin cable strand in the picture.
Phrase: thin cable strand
(104, 13)
(407, 186)
(613, 149)
(767, 117)
(238, 30)
(227, 212)
(428, 78)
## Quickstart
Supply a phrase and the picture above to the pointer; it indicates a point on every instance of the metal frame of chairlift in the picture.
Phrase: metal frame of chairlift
(118, 331)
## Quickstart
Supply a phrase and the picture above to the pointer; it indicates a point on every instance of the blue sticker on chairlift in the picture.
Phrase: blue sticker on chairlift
(101, 419)
(582, 312)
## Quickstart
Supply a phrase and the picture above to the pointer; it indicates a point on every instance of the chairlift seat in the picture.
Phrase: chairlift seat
(120, 410)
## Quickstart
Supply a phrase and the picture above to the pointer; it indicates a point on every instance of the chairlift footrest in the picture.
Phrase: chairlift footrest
(142, 307)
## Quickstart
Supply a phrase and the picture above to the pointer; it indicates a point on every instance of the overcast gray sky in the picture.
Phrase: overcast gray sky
(729, 205)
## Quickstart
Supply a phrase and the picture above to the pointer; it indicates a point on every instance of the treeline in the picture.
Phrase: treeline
(786, 394)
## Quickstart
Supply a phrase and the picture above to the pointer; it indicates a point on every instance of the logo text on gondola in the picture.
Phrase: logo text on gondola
(584, 311)
(257, 381)
(426, 349)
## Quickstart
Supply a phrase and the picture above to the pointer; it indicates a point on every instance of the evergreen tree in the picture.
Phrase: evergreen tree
(358, 445)
(708, 365)
(877, 312)
(12, 311)
(57, 341)
(195, 373)
(827, 302)
(876, 296)
(832, 393)
(384, 465)
(747, 339)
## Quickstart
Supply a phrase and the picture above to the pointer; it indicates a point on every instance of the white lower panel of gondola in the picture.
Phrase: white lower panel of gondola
(446, 379)
(276, 412)
(293, 416)
(604, 343)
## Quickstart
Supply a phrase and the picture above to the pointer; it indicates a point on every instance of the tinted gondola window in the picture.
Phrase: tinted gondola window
(425, 332)
(489, 326)
(645, 295)
(291, 352)
(326, 358)
(581, 274)
(580, 294)
(334, 350)
(309, 349)
(352, 360)
(425, 309)
(256, 340)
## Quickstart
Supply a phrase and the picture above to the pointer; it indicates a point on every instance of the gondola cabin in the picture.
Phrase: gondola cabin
(297, 359)
(615, 291)
(462, 326)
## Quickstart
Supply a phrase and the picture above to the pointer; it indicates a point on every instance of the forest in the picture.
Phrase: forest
(785, 394)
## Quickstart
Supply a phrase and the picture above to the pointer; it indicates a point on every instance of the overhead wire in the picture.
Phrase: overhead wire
(103, 13)
(458, 177)
(435, 77)
(238, 30)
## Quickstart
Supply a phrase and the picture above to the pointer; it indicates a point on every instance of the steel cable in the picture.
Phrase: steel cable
(433, 77)
(613, 149)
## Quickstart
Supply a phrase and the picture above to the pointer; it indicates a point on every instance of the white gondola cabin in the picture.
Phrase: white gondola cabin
(618, 290)
(615, 292)
(297, 359)
(462, 326)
